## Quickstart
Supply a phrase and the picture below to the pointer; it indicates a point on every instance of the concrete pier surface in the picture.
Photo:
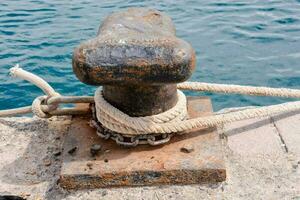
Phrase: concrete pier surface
(262, 161)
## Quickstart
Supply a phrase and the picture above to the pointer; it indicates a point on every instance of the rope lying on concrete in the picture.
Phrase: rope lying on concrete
(173, 120)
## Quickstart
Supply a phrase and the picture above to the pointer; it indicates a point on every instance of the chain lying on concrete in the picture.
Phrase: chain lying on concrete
(154, 130)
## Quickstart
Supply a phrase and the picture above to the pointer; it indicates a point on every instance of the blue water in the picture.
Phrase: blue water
(238, 42)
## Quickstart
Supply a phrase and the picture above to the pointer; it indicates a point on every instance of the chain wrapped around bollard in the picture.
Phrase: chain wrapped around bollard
(127, 140)
(138, 60)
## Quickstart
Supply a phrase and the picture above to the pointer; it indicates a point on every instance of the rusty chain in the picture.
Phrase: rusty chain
(128, 140)
(50, 106)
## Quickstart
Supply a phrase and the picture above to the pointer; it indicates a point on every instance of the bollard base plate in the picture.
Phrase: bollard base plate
(194, 158)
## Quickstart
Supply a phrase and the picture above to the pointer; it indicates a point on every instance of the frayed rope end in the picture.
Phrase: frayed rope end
(13, 70)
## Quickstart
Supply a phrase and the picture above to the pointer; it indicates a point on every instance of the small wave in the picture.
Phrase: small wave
(225, 4)
(38, 10)
(12, 21)
(7, 32)
(239, 42)
(288, 20)
(254, 27)
(16, 15)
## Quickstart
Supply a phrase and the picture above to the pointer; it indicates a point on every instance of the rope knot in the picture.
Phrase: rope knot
(41, 108)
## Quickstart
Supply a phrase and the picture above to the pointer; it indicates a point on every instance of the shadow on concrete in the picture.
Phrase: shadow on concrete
(31, 167)
(260, 123)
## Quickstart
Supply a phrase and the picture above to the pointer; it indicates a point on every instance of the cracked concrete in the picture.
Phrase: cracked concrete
(258, 166)
(283, 144)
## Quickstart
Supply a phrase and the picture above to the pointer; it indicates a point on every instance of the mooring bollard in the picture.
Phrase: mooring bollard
(138, 60)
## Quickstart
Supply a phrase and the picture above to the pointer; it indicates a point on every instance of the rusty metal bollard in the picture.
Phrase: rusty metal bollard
(137, 59)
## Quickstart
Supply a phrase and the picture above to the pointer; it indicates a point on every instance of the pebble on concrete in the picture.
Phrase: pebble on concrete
(95, 149)
(90, 165)
(187, 148)
(58, 153)
(47, 162)
(72, 151)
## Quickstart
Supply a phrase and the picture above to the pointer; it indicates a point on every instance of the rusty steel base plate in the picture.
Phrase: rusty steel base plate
(193, 158)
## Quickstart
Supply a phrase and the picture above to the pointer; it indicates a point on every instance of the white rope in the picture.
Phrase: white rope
(117, 121)
(16, 71)
(238, 89)
(15, 111)
(173, 120)
(45, 106)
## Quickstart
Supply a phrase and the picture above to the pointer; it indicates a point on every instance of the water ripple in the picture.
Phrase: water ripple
(288, 20)
(239, 42)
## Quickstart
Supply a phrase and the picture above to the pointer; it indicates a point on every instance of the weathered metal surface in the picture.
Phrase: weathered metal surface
(137, 45)
(143, 165)
(141, 100)
(136, 52)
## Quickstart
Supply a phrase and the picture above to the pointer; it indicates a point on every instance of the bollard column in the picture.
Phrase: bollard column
(138, 60)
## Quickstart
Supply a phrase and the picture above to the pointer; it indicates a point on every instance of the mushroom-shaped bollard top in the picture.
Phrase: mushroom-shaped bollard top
(138, 59)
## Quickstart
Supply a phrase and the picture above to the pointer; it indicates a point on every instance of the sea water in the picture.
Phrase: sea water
(236, 42)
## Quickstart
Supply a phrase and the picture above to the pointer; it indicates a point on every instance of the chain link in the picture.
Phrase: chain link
(126, 140)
